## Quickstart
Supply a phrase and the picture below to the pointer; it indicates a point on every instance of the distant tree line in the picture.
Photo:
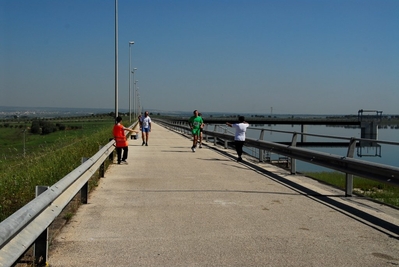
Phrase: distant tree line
(46, 127)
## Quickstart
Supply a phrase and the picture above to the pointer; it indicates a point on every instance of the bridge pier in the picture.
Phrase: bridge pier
(369, 129)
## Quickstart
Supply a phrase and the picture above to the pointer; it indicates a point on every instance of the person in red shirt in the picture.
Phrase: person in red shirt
(120, 140)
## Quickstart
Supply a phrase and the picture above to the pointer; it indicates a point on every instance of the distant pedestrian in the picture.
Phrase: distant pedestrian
(195, 123)
(145, 128)
(239, 137)
(139, 118)
(201, 129)
(121, 142)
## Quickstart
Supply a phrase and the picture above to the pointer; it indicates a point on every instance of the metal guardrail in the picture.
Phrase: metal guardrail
(29, 225)
(346, 164)
(19, 231)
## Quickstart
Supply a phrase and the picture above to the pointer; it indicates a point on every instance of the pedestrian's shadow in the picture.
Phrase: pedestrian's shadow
(215, 159)
(178, 151)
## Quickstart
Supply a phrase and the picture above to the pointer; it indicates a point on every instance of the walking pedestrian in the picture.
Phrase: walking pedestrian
(140, 121)
(121, 142)
(146, 128)
(195, 123)
(239, 137)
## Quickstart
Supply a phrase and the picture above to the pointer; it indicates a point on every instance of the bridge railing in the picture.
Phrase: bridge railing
(29, 225)
(346, 164)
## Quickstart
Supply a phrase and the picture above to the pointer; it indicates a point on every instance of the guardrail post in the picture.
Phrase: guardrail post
(261, 151)
(40, 248)
(293, 161)
(214, 138)
(111, 156)
(84, 191)
(349, 177)
(226, 142)
(206, 136)
(102, 167)
(303, 130)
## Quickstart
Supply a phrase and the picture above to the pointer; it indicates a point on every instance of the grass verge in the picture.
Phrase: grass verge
(375, 190)
(49, 160)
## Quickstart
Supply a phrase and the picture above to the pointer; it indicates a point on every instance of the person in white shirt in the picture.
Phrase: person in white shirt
(145, 128)
(239, 137)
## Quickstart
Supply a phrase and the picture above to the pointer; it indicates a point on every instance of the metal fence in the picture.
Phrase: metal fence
(29, 225)
(343, 163)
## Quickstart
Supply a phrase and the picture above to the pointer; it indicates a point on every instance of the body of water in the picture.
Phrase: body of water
(385, 154)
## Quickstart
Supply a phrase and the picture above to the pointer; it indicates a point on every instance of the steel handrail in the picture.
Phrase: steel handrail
(328, 136)
(380, 172)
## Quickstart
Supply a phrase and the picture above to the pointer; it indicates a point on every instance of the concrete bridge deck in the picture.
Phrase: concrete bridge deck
(172, 207)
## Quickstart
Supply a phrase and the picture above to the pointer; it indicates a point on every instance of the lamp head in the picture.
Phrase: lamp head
(131, 42)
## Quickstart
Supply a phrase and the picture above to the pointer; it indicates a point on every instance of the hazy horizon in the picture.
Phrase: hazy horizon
(10, 110)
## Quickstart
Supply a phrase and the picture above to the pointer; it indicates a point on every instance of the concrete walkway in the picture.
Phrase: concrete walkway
(172, 207)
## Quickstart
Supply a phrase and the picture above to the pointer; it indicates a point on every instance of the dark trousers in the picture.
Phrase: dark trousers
(119, 153)
(239, 145)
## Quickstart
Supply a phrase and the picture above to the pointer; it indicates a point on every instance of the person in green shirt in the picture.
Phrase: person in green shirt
(195, 123)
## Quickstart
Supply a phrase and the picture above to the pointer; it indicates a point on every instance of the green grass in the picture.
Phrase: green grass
(376, 190)
(48, 159)
(68, 216)
(13, 138)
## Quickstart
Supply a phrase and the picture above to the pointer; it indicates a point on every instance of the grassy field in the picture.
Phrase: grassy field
(15, 139)
(378, 191)
(47, 158)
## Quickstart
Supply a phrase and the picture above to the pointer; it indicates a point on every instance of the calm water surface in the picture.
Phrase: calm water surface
(386, 154)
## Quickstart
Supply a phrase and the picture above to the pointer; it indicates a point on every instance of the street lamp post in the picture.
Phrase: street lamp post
(130, 90)
(116, 59)
(138, 101)
(134, 97)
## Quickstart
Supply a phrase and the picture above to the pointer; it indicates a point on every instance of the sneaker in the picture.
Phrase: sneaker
(143, 144)
(146, 144)
(200, 146)
(124, 162)
(239, 159)
(193, 148)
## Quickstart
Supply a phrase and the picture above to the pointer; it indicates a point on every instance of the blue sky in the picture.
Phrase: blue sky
(285, 56)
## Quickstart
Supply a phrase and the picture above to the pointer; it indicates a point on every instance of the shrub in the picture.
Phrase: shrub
(42, 127)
